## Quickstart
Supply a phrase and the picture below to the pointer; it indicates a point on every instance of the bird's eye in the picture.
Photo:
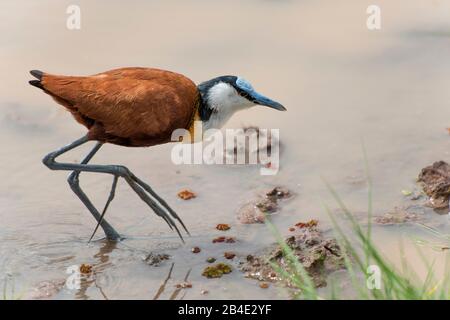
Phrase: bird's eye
(244, 84)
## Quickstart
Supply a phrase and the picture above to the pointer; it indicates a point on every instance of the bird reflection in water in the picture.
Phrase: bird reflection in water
(96, 276)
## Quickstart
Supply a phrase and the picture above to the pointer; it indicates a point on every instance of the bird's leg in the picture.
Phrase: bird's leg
(74, 183)
(110, 198)
(115, 170)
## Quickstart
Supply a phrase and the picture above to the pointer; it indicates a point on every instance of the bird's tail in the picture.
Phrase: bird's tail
(38, 75)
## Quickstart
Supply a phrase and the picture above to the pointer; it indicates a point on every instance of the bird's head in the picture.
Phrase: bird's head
(225, 95)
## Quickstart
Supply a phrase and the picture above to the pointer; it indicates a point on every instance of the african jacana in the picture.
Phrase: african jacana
(139, 107)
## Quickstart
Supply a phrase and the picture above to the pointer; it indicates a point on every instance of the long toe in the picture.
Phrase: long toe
(153, 205)
(160, 200)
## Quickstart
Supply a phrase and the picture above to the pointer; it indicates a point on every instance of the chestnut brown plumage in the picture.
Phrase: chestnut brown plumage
(135, 107)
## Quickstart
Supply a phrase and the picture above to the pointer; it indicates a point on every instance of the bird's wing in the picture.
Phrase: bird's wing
(128, 101)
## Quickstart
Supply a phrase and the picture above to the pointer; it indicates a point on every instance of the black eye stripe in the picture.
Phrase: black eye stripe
(244, 94)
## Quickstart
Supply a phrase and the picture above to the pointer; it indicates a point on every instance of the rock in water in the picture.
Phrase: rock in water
(396, 216)
(255, 211)
(318, 255)
(435, 180)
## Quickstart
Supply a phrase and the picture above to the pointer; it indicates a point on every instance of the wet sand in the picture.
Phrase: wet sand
(340, 82)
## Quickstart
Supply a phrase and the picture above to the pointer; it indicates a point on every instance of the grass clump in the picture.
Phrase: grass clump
(362, 261)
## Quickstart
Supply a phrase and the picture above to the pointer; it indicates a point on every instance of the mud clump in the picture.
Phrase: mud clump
(217, 271)
(267, 206)
(186, 194)
(255, 211)
(264, 285)
(196, 250)
(318, 255)
(229, 255)
(156, 259)
(85, 268)
(224, 239)
(278, 193)
(435, 180)
(397, 216)
(223, 227)
(309, 224)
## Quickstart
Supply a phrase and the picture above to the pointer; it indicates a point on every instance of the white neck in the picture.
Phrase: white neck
(224, 101)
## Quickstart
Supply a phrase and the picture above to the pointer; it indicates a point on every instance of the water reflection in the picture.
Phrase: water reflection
(178, 288)
(98, 278)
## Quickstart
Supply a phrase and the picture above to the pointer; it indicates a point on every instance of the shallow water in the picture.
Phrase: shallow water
(340, 82)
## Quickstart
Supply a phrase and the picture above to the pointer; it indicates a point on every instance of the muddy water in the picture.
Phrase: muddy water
(340, 82)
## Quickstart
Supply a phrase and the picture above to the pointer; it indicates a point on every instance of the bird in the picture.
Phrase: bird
(139, 107)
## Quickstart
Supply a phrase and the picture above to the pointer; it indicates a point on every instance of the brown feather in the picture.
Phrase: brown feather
(128, 106)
